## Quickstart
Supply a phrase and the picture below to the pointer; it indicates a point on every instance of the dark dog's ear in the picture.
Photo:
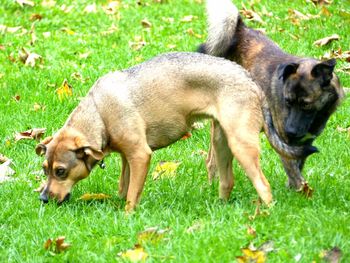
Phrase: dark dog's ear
(285, 70)
(324, 70)
(40, 149)
(87, 150)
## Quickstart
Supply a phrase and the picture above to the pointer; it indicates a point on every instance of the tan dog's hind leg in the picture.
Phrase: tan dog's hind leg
(138, 159)
(242, 133)
(124, 178)
(223, 160)
(211, 160)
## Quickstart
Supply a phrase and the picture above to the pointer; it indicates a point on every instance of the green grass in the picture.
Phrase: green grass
(98, 231)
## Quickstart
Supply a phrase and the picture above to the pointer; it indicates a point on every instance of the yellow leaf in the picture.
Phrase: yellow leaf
(252, 256)
(165, 170)
(89, 197)
(64, 91)
(68, 31)
(134, 255)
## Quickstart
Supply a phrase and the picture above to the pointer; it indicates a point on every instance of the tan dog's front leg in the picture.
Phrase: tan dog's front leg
(124, 178)
(223, 159)
(211, 160)
(138, 163)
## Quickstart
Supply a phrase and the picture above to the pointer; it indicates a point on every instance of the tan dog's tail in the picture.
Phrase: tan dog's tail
(288, 151)
(223, 17)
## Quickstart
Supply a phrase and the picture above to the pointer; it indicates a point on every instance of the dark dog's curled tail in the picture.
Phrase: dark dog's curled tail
(288, 151)
(223, 17)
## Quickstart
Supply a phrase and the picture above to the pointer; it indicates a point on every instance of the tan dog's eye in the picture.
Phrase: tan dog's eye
(60, 172)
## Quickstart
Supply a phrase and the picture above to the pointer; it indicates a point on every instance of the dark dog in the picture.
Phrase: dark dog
(302, 93)
(152, 105)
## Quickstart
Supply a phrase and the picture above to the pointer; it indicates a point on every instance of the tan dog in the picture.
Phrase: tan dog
(152, 105)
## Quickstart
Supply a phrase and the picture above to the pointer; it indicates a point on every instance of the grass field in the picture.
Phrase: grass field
(86, 43)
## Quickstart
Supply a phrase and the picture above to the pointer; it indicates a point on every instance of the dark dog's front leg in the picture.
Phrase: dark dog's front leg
(293, 169)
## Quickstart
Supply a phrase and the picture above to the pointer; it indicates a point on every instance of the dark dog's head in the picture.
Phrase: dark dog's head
(68, 159)
(309, 89)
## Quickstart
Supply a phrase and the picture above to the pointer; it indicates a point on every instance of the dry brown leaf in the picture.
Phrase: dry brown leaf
(112, 7)
(145, 23)
(90, 197)
(136, 254)
(34, 17)
(251, 231)
(192, 33)
(56, 246)
(321, 2)
(338, 54)
(29, 58)
(37, 107)
(251, 15)
(197, 226)
(138, 43)
(324, 11)
(64, 91)
(345, 69)
(6, 171)
(23, 3)
(332, 256)
(17, 98)
(32, 134)
(324, 41)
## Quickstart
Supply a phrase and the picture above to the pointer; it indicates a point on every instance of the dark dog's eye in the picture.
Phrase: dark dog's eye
(60, 172)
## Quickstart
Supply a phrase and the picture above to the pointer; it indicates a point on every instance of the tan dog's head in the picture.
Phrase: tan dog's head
(68, 159)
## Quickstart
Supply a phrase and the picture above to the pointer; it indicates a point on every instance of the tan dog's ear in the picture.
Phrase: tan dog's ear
(84, 148)
(40, 149)
(87, 150)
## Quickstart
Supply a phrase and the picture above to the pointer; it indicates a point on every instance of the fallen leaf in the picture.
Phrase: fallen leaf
(256, 255)
(188, 18)
(79, 77)
(90, 197)
(171, 46)
(145, 23)
(298, 257)
(57, 246)
(23, 3)
(34, 17)
(33, 37)
(165, 170)
(345, 69)
(333, 255)
(251, 231)
(46, 34)
(3, 158)
(324, 11)
(186, 136)
(17, 98)
(32, 134)
(192, 33)
(321, 2)
(251, 256)
(90, 8)
(324, 41)
(296, 13)
(6, 29)
(197, 226)
(138, 43)
(68, 31)
(48, 3)
(151, 235)
(64, 91)
(66, 9)
(251, 15)
(112, 7)
(338, 54)
(37, 107)
(84, 55)
(6, 171)
(135, 254)
(29, 58)
(306, 190)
